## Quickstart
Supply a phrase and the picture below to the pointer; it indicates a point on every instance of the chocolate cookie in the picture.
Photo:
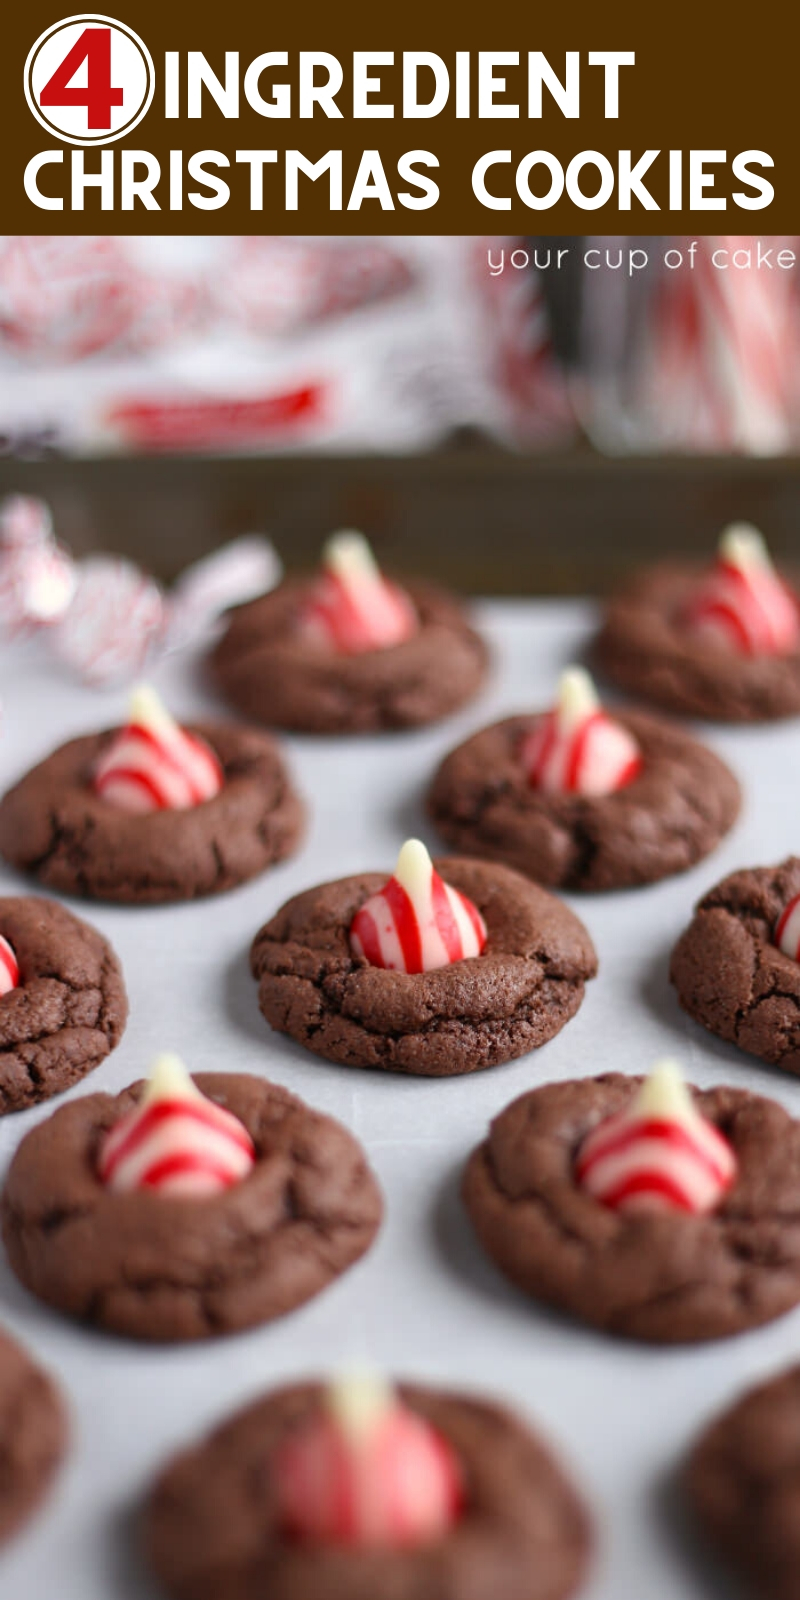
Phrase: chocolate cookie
(159, 1267)
(475, 1013)
(743, 1480)
(53, 824)
(644, 648)
(675, 812)
(729, 973)
(271, 673)
(69, 1008)
(33, 1435)
(212, 1530)
(666, 1277)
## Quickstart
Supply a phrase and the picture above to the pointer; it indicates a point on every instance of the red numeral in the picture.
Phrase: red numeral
(93, 47)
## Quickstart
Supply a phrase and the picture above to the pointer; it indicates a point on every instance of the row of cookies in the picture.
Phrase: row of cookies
(358, 1489)
(351, 651)
(360, 969)
(316, 1480)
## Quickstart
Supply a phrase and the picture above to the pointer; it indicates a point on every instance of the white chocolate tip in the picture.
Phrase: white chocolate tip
(349, 556)
(742, 545)
(414, 868)
(577, 696)
(359, 1402)
(147, 710)
(664, 1094)
(169, 1080)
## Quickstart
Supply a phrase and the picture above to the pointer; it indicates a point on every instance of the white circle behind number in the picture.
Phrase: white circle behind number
(95, 76)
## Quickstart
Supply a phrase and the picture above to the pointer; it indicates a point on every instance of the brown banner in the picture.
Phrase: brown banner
(190, 118)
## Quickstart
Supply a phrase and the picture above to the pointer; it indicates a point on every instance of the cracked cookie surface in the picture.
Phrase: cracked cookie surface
(167, 1268)
(212, 1530)
(743, 1482)
(475, 1013)
(33, 1435)
(676, 811)
(70, 1007)
(52, 824)
(643, 648)
(269, 672)
(729, 974)
(666, 1277)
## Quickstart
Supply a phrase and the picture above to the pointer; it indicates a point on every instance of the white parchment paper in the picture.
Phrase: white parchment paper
(425, 1302)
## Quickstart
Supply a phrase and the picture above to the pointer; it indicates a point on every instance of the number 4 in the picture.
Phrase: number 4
(93, 47)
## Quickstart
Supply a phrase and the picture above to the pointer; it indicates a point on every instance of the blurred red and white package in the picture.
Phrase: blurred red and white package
(266, 344)
(700, 355)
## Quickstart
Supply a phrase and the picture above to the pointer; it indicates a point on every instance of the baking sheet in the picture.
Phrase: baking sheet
(424, 1302)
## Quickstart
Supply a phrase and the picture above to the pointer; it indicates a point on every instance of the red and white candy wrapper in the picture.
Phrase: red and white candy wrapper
(107, 620)
(115, 623)
(9, 968)
(659, 1154)
(281, 286)
(37, 577)
(241, 570)
(578, 748)
(787, 929)
(417, 922)
(176, 1141)
(352, 607)
(366, 1472)
(153, 764)
(744, 605)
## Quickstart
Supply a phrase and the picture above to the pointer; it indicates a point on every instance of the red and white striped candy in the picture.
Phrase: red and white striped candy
(787, 929)
(176, 1141)
(417, 922)
(9, 968)
(152, 764)
(367, 1471)
(744, 605)
(352, 608)
(115, 622)
(37, 576)
(659, 1154)
(577, 748)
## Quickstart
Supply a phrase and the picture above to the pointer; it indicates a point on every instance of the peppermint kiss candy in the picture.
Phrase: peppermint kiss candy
(417, 922)
(37, 576)
(744, 604)
(658, 1154)
(9, 970)
(115, 623)
(153, 764)
(367, 1471)
(578, 748)
(352, 607)
(176, 1141)
(787, 929)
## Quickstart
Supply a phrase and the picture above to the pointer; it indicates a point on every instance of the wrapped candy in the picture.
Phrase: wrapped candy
(787, 929)
(417, 922)
(152, 764)
(744, 605)
(352, 607)
(9, 968)
(578, 748)
(176, 1140)
(37, 576)
(659, 1154)
(107, 620)
(366, 1471)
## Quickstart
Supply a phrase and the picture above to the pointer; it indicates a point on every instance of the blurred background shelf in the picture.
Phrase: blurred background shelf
(472, 515)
